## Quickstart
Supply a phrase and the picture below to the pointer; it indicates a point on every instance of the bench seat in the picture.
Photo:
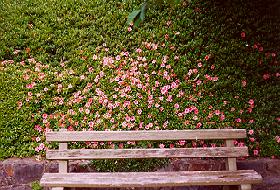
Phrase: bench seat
(151, 179)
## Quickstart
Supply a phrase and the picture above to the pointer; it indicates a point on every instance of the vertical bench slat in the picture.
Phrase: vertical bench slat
(230, 162)
(62, 164)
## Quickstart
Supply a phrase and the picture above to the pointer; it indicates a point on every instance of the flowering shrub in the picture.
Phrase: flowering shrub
(166, 82)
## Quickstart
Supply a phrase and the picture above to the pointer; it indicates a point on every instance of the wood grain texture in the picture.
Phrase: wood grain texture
(70, 136)
(76, 154)
(62, 164)
(246, 187)
(230, 162)
(150, 179)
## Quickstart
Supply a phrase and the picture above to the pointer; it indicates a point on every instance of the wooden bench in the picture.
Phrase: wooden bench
(231, 177)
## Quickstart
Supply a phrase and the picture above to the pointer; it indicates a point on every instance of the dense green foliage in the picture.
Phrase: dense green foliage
(61, 62)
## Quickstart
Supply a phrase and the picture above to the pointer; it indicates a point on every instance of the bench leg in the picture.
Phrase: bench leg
(246, 187)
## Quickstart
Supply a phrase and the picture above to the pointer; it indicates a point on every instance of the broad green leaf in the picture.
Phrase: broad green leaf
(132, 16)
(143, 10)
(137, 21)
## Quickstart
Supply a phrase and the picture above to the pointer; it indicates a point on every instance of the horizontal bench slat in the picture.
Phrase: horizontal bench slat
(150, 179)
(221, 152)
(70, 136)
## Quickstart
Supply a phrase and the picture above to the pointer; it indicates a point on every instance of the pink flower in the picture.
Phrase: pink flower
(251, 121)
(251, 132)
(251, 102)
(243, 34)
(138, 50)
(207, 57)
(252, 139)
(199, 64)
(161, 145)
(87, 111)
(238, 120)
(38, 139)
(198, 82)
(91, 124)
(94, 57)
(127, 118)
(215, 79)
(266, 76)
(169, 98)
(217, 112)
(256, 152)
(19, 103)
(176, 106)
(45, 116)
(244, 83)
(90, 69)
(222, 117)
(139, 111)
(277, 138)
(129, 29)
(182, 142)
(198, 125)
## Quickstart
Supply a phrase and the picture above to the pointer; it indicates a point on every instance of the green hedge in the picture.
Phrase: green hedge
(201, 64)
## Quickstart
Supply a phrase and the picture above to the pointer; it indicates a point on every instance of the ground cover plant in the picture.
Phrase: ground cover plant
(77, 65)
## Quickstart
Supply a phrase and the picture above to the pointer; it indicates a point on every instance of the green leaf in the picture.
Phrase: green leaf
(137, 22)
(143, 11)
(132, 16)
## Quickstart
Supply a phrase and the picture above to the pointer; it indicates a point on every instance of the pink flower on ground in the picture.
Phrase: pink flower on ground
(215, 79)
(129, 29)
(256, 152)
(244, 83)
(222, 117)
(207, 57)
(90, 124)
(198, 125)
(277, 138)
(176, 106)
(19, 103)
(138, 50)
(139, 111)
(243, 34)
(87, 111)
(238, 120)
(182, 142)
(266, 76)
(251, 132)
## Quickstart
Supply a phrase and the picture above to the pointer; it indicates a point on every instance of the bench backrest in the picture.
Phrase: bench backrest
(228, 135)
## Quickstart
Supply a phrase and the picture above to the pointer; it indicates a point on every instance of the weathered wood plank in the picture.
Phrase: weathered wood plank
(62, 164)
(221, 152)
(246, 187)
(145, 135)
(230, 162)
(150, 179)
